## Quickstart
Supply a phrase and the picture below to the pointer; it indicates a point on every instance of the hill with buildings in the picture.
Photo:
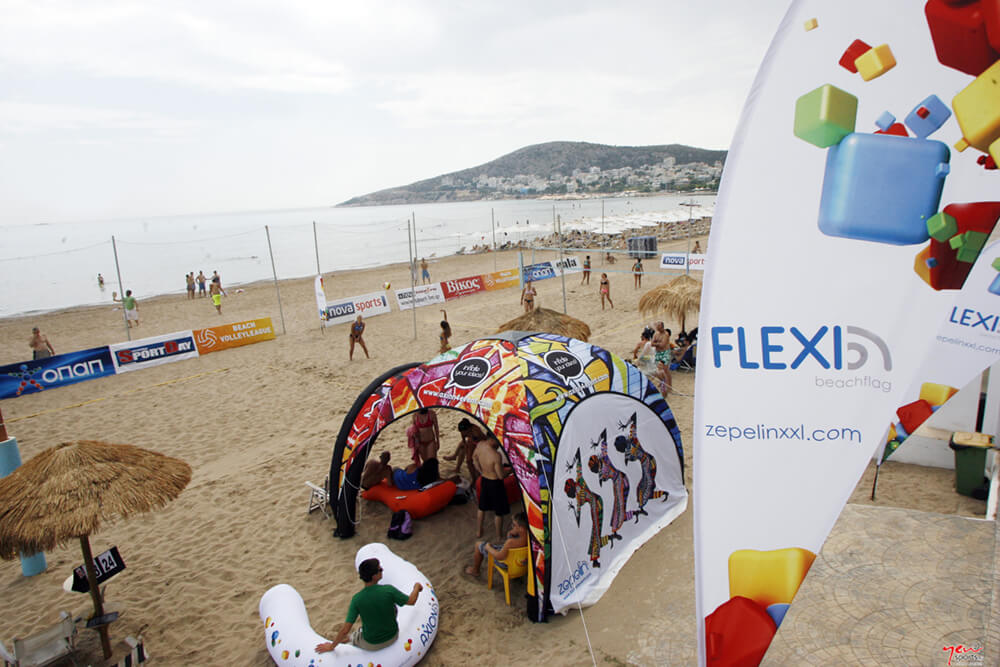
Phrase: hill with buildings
(565, 168)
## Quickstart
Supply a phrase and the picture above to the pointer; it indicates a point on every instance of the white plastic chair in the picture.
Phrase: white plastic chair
(45, 647)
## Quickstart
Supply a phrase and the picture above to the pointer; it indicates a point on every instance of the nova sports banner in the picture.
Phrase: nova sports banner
(858, 193)
(348, 308)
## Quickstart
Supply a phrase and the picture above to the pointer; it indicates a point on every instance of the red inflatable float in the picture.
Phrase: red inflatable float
(419, 503)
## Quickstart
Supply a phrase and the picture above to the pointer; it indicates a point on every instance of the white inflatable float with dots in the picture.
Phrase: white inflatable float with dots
(292, 642)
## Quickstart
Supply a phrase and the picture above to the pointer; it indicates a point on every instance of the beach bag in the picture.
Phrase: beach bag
(400, 526)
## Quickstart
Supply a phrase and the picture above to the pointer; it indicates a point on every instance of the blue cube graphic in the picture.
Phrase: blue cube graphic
(882, 188)
(995, 286)
(933, 115)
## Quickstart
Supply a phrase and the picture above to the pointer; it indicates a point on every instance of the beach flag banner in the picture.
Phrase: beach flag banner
(966, 343)
(320, 298)
(839, 241)
(594, 448)
(426, 295)
(674, 261)
(153, 351)
(225, 336)
(28, 377)
(498, 280)
(347, 309)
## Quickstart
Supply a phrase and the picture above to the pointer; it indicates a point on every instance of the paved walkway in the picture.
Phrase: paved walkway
(894, 587)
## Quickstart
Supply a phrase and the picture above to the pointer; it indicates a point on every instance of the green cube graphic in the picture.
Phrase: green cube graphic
(825, 116)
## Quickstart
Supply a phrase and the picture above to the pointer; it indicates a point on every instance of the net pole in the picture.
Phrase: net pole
(274, 272)
(121, 290)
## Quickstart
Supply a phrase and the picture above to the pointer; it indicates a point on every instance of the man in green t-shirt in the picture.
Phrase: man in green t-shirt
(376, 604)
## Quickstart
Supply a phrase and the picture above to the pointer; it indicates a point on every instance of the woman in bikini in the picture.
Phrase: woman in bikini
(606, 291)
(528, 297)
(423, 437)
(356, 336)
(445, 332)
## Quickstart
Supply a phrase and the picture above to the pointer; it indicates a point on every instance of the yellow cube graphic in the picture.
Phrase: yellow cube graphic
(811, 24)
(875, 62)
(977, 110)
(767, 577)
(936, 394)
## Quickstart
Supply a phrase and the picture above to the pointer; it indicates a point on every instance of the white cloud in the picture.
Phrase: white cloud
(26, 117)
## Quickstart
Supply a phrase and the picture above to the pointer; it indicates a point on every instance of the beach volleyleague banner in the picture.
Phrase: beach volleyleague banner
(673, 261)
(966, 342)
(153, 351)
(858, 193)
(28, 377)
(226, 336)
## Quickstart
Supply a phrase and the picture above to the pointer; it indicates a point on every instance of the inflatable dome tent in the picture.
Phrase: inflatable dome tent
(594, 446)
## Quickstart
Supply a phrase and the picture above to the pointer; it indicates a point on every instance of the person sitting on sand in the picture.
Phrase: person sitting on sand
(610, 259)
(445, 332)
(492, 493)
(517, 537)
(376, 605)
(357, 336)
(471, 435)
(375, 471)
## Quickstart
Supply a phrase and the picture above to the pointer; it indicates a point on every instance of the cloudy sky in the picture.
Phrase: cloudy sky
(121, 109)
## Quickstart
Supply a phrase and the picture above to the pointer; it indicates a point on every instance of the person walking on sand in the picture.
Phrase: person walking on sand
(425, 275)
(445, 332)
(376, 605)
(218, 281)
(492, 493)
(605, 290)
(357, 336)
(189, 278)
(586, 271)
(216, 293)
(40, 346)
(131, 307)
(528, 297)
(201, 284)
(637, 272)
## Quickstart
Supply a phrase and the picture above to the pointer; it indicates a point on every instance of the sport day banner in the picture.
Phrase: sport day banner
(840, 237)
(153, 351)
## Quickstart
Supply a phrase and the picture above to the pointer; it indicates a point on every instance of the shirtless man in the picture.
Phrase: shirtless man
(40, 346)
(516, 538)
(375, 471)
(423, 437)
(471, 435)
(492, 494)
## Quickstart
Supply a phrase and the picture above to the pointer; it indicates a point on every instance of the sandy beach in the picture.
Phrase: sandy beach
(256, 422)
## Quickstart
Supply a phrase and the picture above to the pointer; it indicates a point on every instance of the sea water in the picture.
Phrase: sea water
(50, 266)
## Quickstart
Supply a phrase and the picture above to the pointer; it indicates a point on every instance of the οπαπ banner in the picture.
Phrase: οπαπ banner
(225, 336)
(539, 271)
(29, 377)
(153, 351)
(347, 309)
(829, 276)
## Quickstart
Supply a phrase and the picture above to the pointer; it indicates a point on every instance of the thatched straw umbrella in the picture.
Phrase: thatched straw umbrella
(548, 321)
(67, 491)
(677, 298)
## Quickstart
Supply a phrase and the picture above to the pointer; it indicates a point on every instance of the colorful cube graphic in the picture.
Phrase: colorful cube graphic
(882, 188)
(875, 62)
(977, 110)
(811, 24)
(912, 415)
(991, 17)
(960, 36)
(936, 394)
(853, 52)
(767, 577)
(938, 264)
(928, 116)
(942, 227)
(825, 116)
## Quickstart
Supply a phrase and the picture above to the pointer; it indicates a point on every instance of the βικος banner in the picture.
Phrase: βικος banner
(225, 336)
(967, 342)
(153, 351)
(682, 261)
(501, 279)
(827, 275)
(454, 289)
(346, 310)
(425, 296)
(29, 377)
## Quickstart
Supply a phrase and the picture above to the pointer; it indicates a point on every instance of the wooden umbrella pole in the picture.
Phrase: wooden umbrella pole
(95, 594)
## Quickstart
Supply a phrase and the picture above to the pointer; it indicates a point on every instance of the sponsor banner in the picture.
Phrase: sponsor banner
(320, 298)
(567, 265)
(226, 336)
(540, 271)
(501, 279)
(682, 261)
(454, 289)
(29, 377)
(374, 303)
(153, 351)
(824, 293)
(425, 296)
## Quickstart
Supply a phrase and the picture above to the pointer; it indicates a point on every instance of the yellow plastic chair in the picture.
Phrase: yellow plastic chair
(516, 564)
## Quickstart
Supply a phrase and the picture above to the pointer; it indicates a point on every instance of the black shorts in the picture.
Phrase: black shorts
(493, 496)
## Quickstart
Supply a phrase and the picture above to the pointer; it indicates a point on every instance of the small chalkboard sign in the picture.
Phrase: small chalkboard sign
(107, 565)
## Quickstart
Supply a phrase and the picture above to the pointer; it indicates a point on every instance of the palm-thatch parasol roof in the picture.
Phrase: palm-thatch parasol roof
(548, 321)
(677, 298)
(68, 491)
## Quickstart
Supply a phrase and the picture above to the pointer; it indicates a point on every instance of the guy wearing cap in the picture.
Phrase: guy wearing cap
(376, 604)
